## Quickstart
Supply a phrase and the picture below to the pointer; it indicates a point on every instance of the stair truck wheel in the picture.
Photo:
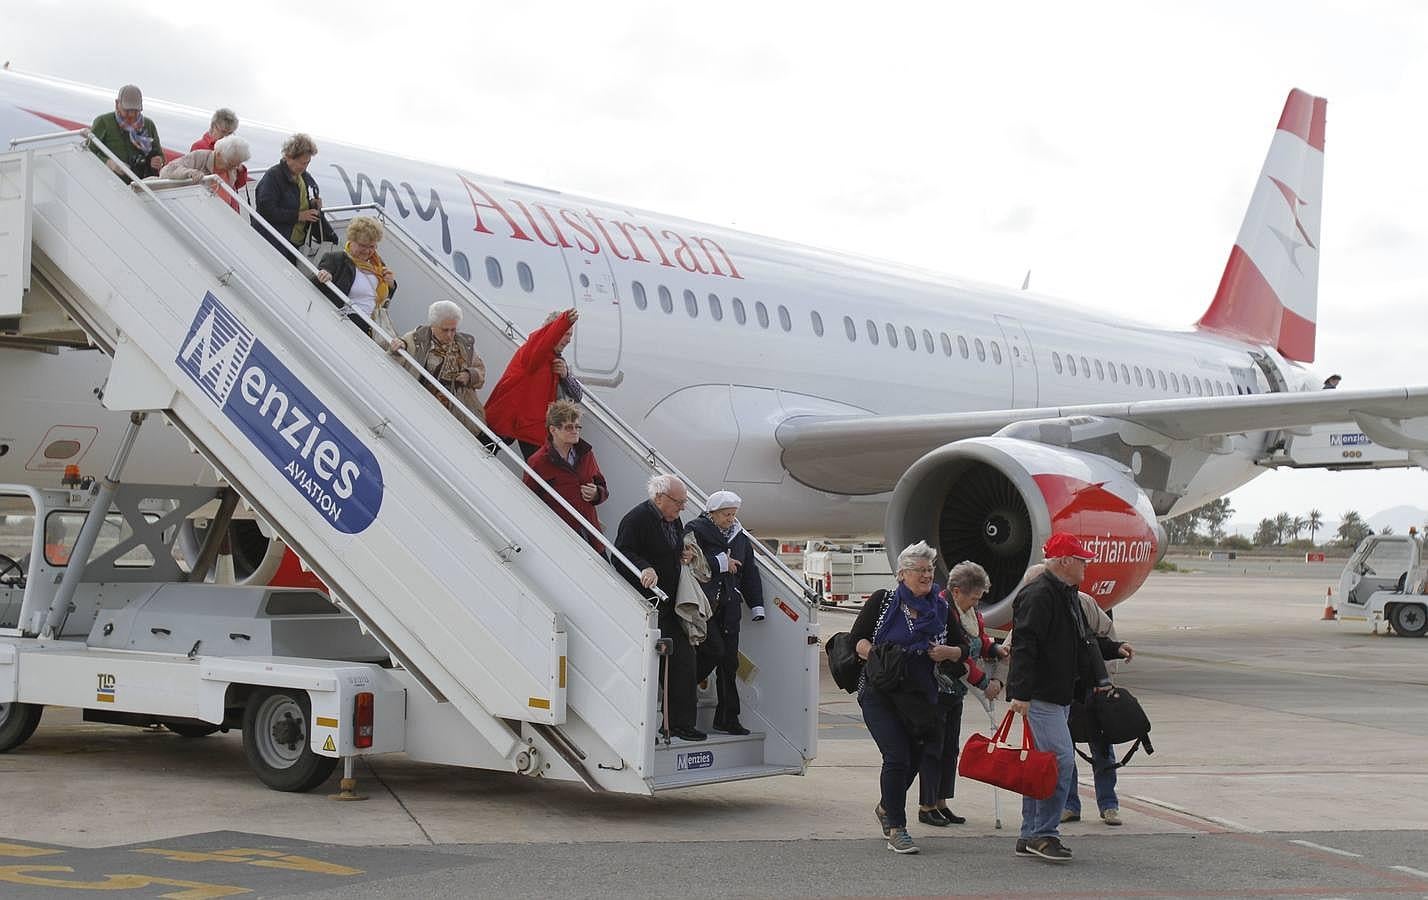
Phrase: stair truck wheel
(276, 741)
(1410, 619)
(17, 722)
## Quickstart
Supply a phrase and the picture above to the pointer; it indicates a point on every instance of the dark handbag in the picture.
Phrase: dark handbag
(886, 667)
(1024, 770)
(1112, 717)
(844, 662)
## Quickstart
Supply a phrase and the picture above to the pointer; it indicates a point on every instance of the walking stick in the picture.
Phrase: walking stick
(989, 706)
(664, 648)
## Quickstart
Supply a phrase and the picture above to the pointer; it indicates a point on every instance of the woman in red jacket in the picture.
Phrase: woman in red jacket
(567, 464)
(517, 408)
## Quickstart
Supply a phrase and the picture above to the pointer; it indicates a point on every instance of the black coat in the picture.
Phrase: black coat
(722, 585)
(1054, 653)
(641, 537)
(343, 270)
(276, 200)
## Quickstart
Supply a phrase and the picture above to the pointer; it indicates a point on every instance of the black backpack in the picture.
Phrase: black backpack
(1112, 717)
(844, 662)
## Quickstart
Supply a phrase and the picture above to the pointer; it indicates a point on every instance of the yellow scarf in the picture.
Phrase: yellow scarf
(373, 267)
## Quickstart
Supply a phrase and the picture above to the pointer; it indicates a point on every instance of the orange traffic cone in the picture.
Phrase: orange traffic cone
(1329, 614)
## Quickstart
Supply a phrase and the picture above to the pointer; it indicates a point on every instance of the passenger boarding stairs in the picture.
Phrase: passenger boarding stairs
(431, 540)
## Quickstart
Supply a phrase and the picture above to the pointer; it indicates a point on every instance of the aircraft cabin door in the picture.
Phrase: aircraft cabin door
(1023, 363)
(596, 356)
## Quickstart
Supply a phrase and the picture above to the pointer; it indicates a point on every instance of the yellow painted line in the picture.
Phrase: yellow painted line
(326, 722)
(8, 849)
(194, 890)
(538, 703)
(104, 698)
(562, 671)
(268, 859)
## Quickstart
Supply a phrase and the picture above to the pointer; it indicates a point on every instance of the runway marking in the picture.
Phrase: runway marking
(268, 859)
(1315, 846)
(1233, 825)
(1411, 871)
(23, 851)
(194, 890)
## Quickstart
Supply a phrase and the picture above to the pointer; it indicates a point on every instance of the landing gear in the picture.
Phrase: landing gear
(1409, 619)
(276, 741)
(17, 722)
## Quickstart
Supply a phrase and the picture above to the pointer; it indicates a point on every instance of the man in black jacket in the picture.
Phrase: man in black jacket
(1055, 657)
(734, 583)
(652, 537)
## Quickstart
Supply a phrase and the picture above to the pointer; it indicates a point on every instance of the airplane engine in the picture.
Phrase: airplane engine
(996, 500)
(258, 559)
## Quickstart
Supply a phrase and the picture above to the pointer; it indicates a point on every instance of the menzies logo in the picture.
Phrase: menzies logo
(319, 455)
(1351, 439)
(701, 759)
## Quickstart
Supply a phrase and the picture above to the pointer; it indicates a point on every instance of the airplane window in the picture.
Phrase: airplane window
(1056, 361)
(1199, 389)
(981, 349)
(524, 276)
(910, 336)
(691, 304)
(1139, 379)
(1071, 363)
(1125, 374)
(927, 340)
(666, 300)
(850, 329)
(716, 309)
(1100, 371)
(962, 346)
(892, 334)
(996, 353)
(739, 315)
(1219, 389)
(763, 313)
(1161, 373)
(817, 322)
(1085, 368)
(872, 332)
(784, 321)
(641, 301)
(493, 272)
(1114, 378)
(946, 344)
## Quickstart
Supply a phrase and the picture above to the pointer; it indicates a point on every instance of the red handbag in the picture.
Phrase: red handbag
(1023, 770)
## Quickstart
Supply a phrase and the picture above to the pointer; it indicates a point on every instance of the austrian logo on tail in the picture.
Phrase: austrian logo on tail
(319, 456)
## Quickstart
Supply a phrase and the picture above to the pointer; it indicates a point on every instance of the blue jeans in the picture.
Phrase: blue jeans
(901, 753)
(1049, 727)
(1103, 758)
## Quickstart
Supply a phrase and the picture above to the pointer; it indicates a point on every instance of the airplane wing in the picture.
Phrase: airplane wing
(867, 454)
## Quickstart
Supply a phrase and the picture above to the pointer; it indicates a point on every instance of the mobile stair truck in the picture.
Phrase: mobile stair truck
(1386, 582)
(466, 624)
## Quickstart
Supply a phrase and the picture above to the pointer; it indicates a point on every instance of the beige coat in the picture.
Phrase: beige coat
(418, 342)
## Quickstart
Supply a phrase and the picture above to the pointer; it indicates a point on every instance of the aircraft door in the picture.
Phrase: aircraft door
(1023, 364)
(596, 355)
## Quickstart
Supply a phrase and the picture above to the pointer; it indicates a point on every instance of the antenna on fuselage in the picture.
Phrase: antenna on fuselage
(1026, 282)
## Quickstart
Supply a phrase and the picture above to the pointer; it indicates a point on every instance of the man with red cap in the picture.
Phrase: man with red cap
(1055, 658)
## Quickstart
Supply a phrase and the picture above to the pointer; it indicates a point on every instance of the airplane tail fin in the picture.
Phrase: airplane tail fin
(1269, 292)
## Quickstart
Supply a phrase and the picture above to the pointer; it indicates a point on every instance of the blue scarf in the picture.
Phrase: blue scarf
(138, 135)
(930, 626)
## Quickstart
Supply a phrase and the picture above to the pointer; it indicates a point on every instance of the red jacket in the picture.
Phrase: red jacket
(519, 400)
(566, 480)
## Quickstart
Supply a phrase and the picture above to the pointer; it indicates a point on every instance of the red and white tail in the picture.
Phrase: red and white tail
(1269, 293)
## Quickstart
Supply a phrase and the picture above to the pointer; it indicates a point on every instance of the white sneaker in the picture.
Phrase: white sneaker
(1111, 816)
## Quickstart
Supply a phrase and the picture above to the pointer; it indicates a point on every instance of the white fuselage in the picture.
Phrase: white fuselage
(702, 338)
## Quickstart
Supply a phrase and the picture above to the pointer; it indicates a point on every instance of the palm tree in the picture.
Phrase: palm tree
(1298, 524)
(1316, 521)
(1281, 526)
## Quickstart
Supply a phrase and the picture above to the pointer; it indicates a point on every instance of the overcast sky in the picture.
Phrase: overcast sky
(1110, 148)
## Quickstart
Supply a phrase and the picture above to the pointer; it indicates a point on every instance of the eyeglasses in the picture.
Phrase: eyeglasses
(572, 426)
(680, 501)
(923, 572)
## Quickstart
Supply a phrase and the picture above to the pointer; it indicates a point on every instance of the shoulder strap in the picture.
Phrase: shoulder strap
(883, 613)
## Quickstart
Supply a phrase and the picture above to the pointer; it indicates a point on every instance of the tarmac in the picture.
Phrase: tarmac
(1291, 760)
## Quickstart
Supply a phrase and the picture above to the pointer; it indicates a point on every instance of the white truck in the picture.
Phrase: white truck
(1386, 582)
(846, 575)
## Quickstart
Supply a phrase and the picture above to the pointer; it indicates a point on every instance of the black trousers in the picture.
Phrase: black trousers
(722, 653)
(681, 669)
(937, 771)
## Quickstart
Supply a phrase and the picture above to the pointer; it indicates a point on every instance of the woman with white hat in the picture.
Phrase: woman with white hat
(734, 584)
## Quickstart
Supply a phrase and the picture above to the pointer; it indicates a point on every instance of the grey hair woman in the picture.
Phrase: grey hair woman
(225, 160)
(448, 356)
(289, 199)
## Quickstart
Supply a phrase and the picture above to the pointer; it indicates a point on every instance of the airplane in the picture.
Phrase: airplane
(837, 395)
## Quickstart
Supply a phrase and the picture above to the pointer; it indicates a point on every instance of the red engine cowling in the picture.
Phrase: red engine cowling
(996, 500)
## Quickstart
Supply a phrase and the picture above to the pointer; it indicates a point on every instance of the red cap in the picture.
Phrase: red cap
(1063, 544)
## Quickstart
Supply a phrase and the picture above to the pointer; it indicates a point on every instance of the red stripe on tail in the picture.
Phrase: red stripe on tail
(1246, 307)
(1304, 115)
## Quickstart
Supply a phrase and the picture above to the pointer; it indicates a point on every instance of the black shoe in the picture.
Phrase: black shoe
(1021, 849)
(1048, 848)
(932, 817)
(688, 734)
(951, 817)
(731, 727)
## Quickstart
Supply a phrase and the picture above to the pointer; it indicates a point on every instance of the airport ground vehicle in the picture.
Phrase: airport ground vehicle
(1386, 581)
(846, 575)
(467, 624)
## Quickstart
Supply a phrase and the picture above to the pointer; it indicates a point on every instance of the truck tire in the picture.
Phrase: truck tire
(1409, 619)
(276, 741)
(17, 722)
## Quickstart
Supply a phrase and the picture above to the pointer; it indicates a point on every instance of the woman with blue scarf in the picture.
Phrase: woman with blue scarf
(903, 629)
